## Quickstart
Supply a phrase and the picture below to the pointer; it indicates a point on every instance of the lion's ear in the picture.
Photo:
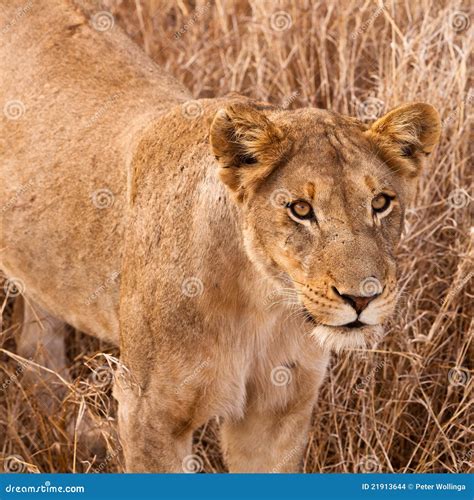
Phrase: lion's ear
(405, 135)
(246, 145)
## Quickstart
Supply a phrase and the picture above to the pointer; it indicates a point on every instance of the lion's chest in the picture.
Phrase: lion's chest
(267, 361)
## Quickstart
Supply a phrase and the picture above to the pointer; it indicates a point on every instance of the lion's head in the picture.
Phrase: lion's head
(323, 198)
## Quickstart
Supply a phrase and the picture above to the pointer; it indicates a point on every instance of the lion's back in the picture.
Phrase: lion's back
(74, 99)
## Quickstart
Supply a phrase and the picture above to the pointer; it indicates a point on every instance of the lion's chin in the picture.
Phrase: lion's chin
(340, 338)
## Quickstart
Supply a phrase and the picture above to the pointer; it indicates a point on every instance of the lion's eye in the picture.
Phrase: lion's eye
(381, 203)
(301, 210)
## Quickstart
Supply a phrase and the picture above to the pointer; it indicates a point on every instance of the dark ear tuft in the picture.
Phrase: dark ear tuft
(405, 135)
(247, 146)
(248, 160)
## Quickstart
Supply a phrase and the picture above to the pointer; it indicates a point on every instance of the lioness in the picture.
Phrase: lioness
(249, 241)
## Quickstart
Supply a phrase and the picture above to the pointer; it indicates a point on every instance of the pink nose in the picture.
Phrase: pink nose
(358, 303)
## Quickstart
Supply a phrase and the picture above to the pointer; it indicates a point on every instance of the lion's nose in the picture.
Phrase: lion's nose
(357, 302)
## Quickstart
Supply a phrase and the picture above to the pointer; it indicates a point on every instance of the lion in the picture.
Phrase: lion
(227, 246)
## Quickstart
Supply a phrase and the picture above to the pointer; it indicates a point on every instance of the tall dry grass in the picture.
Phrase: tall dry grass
(405, 406)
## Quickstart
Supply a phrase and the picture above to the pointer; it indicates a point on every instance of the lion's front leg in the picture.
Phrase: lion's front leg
(272, 435)
(266, 442)
(152, 434)
(160, 388)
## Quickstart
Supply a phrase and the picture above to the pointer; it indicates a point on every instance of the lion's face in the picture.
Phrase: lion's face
(323, 198)
(330, 223)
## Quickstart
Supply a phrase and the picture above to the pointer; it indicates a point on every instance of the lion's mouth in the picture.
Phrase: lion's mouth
(349, 326)
(354, 324)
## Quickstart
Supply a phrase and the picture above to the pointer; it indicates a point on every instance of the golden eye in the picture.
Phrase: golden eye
(381, 203)
(302, 210)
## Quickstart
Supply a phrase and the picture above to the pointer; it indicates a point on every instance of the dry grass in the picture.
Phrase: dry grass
(405, 406)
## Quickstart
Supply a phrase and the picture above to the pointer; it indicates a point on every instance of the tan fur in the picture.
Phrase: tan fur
(213, 271)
